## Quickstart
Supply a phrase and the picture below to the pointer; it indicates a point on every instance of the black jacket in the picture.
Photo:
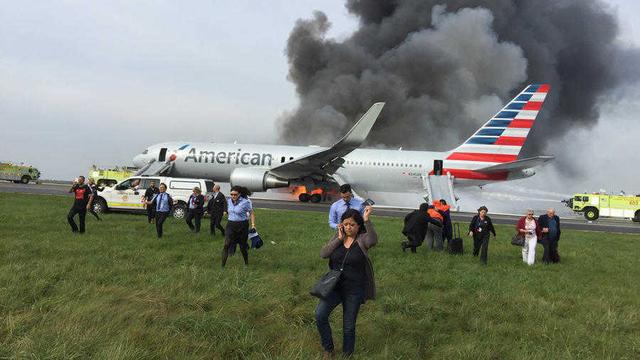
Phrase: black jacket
(148, 194)
(486, 226)
(199, 203)
(416, 224)
(543, 222)
(217, 205)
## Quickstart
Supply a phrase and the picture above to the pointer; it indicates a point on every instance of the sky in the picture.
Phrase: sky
(85, 83)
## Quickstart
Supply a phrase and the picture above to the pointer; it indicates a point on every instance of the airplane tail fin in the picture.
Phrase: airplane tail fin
(500, 139)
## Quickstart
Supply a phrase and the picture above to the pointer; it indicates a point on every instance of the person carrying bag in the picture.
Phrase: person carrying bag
(350, 280)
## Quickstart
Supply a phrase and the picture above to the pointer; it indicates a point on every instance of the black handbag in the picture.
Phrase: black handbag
(329, 280)
(517, 240)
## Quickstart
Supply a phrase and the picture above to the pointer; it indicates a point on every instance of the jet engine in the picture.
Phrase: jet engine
(256, 179)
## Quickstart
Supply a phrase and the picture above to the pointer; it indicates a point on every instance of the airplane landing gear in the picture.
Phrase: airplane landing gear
(304, 197)
(315, 198)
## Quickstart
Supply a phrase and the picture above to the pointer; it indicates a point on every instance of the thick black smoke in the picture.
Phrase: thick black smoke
(444, 67)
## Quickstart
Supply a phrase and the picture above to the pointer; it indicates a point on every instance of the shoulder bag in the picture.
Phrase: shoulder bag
(329, 280)
(517, 239)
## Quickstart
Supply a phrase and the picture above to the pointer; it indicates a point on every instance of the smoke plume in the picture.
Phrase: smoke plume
(444, 68)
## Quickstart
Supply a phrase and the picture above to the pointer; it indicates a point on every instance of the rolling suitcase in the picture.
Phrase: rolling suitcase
(456, 245)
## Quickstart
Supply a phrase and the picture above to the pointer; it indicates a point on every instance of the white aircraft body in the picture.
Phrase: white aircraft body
(490, 155)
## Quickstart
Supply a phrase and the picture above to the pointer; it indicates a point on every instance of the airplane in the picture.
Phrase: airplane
(490, 155)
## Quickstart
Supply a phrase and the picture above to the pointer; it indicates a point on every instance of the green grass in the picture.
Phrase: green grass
(117, 292)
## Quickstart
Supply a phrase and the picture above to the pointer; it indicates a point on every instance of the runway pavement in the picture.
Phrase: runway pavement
(576, 223)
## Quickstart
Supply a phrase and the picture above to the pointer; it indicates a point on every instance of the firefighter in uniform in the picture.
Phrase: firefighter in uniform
(83, 197)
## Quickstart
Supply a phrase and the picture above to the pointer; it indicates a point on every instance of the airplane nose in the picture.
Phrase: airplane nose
(138, 161)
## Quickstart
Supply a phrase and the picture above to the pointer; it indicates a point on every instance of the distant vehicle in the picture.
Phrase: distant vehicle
(18, 173)
(128, 194)
(110, 177)
(603, 205)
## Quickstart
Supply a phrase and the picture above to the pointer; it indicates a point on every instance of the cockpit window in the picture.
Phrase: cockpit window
(145, 152)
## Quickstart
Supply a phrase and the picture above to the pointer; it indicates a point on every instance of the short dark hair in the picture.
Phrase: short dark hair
(423, 207)
(482, 208)
(443, 202)
(345, 188)
(242, 191)
(356, 216)
(163, 184)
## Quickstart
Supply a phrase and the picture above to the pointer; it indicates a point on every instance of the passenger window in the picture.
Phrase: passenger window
(585, 198)
(282, 159)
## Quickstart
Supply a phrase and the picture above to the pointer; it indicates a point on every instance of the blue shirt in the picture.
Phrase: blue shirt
(162, 202)
(339, 207)
(239, 211)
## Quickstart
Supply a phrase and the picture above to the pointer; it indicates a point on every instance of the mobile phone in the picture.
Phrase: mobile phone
(369, 202)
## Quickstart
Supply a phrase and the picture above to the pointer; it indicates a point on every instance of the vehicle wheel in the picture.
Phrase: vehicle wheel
(637, 218)
(304, 197)
(180, 210)
(591, 214)
(100, 206)
(315, 198)
(25, 179)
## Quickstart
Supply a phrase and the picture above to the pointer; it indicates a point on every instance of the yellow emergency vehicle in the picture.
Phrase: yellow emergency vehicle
(603, 205)
(110, 177)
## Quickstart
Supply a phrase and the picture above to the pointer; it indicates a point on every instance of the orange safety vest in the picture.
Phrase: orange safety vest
(435, 214)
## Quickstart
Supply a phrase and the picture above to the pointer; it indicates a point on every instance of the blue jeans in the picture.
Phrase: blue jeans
(351, 301)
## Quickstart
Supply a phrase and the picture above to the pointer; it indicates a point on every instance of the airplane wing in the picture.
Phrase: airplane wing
(517, 164)
(328, 161)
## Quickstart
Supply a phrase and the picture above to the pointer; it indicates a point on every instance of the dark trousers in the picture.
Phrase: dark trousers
(351, 301)
(550, 254)
(481, 245)
(151, 213)
(82, 213)
(237, 233)
(95, 214)
(216, 219)
(412, 243)
(160, 218)
(195, 215)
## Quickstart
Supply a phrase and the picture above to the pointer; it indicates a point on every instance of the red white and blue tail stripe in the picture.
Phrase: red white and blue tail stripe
(500, 140)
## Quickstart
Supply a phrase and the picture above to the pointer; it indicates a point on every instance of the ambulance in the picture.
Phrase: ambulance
(603, 205)
(128, 194)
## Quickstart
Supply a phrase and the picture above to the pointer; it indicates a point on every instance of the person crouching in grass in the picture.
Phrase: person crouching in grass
(350, 246)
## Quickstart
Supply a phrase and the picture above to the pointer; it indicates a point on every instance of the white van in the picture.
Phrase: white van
(128, 194)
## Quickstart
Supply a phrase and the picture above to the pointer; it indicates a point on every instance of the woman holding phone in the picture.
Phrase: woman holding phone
(348, 251)
(528, 226)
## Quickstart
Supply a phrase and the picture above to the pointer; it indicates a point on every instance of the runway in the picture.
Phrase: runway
(575, 223)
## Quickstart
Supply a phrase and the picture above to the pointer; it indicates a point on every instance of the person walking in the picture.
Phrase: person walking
(447, 227)
(82, 198)
(550, 225)
(94, 192)
(216, 208)
(349, 246)
(434, 231)
(528, 226)
(339, 207)
(162, 204)
(151, 191)
(240, 211)
(415, 228)
(196, 209)
(480, 228)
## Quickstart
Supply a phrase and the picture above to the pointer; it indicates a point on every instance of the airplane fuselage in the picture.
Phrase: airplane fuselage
(370, 169)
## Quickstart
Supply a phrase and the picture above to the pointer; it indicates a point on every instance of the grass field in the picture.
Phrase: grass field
(117, 292)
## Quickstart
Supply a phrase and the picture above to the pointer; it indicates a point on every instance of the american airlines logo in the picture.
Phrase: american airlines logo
(229, 157)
